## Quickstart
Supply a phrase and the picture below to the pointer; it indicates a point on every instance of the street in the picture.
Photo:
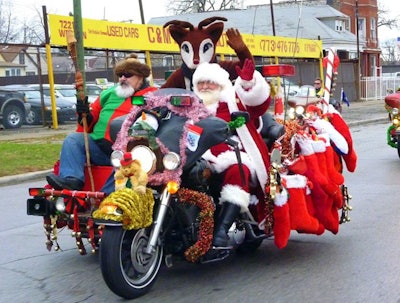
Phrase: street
(359, 264)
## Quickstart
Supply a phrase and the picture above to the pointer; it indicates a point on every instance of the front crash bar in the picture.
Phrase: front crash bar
(155, 232)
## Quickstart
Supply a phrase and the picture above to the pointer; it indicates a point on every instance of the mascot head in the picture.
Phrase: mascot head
(197, 44)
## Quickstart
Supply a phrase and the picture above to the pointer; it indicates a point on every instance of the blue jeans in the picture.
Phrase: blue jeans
(73, 158)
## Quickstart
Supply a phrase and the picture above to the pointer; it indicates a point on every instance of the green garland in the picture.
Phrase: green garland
(238, 122)
(389, 136)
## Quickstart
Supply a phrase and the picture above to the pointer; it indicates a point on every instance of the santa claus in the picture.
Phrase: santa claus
(250, 93)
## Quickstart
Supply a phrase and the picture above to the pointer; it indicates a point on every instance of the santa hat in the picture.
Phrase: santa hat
(132, 65)
(211, 72)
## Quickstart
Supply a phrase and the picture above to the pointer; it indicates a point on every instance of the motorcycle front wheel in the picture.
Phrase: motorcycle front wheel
(398, 145)
(127, 269)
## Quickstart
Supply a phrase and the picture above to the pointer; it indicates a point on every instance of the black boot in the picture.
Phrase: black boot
(58, 183)
(227, 216)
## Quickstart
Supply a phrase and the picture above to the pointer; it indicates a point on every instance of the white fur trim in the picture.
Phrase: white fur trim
(254, 200)
(339, 140)
(235, 195)
(257, 94)
(211, 72)
(318, 146)
(251, 149)
(295, 181)
(281, 198)
(226, 159)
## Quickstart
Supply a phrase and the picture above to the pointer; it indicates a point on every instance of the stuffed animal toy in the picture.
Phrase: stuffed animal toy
(131, 175)
(198, 45)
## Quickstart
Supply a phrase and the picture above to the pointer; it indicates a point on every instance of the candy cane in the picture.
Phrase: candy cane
(328, 78)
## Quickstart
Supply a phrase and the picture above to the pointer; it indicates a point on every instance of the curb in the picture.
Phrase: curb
(34, 176)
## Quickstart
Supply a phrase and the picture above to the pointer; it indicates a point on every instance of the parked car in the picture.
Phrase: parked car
(65, 109)
(93, 91)
(289, 88)
(64, 91)
(305, 96)
(13, 108)
(68, 91)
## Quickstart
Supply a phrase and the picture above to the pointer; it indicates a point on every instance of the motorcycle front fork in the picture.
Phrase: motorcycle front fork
(157, 224)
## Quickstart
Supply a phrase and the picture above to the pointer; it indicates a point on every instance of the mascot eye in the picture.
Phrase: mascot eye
(206, 47)
(185, 48)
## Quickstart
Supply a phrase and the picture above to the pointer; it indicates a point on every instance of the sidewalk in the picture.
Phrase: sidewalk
(358, 113)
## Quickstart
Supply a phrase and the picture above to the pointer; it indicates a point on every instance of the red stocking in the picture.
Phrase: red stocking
(281, 220)
(323, 205)
(320, 151)
(300, 219)
(335, 176)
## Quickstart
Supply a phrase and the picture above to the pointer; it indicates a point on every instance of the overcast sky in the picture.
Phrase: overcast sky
(125, 10)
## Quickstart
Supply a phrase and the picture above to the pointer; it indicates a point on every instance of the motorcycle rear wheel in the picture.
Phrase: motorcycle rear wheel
(128, 271)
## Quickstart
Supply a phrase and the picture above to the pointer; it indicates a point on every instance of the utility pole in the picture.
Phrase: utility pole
(358, 53)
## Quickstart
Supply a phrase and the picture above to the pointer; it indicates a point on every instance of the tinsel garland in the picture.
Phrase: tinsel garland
(206, 230)
(137, 209)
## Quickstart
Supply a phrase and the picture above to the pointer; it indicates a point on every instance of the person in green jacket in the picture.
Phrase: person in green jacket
(112, 103)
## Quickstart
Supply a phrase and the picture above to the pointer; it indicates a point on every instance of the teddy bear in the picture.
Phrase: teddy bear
(131, 175)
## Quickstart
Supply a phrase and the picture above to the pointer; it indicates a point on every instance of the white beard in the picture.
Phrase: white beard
(124, 90)
(209, 97)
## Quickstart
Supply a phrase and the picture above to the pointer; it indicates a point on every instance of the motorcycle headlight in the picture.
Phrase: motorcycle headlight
(116, 157)
(146, 157)
(171, 161)
(395, 111)
(299, 110)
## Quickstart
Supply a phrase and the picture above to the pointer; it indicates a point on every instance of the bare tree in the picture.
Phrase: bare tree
(389, 54)
(8, 23)
(385, 20)
(197, 6)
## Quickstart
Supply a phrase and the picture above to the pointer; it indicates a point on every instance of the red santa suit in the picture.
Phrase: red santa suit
(251, 96)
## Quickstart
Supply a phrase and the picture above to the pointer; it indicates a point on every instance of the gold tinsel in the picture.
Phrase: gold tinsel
(137, 209)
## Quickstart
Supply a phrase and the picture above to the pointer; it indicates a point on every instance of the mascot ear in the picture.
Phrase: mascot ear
(214, 31)
(178, 33)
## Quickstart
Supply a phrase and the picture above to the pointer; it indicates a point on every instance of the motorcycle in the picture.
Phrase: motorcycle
(182, 196)
(173, 219)
(392, 105)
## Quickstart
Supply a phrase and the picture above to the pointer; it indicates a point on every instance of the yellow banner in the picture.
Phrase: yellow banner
(100, 34)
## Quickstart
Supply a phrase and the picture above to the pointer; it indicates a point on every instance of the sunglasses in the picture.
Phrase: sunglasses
(126, 75)
(317, 83)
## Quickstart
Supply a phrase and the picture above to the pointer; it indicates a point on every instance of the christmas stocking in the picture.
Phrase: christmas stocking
(323, 205)
(319, 148)
(281, 220)
(300, 219)
(333, 174)
(340, 125)
(313, 172)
